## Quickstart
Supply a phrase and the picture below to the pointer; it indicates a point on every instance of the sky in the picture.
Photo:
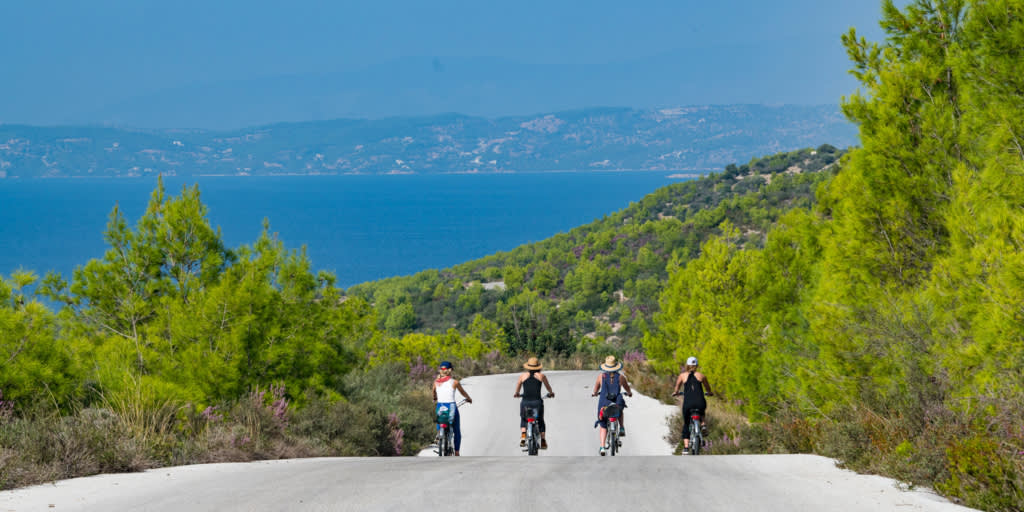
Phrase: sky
(228, 63)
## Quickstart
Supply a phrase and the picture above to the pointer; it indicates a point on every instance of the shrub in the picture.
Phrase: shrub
(984, 475)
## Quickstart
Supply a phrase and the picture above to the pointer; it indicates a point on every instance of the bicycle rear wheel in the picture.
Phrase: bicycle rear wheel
(450, 443)
(695, 438)
(532, 445)
(614, 439)
(442, 442)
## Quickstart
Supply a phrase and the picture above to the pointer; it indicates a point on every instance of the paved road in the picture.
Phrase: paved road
(569, 476)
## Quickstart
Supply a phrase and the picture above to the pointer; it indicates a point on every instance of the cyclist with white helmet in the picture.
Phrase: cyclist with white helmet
(694, 385)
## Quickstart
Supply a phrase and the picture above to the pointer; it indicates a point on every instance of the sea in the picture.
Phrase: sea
(361, 228)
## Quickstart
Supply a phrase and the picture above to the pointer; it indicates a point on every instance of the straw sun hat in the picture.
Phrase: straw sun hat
(532, 364)
(611, 365)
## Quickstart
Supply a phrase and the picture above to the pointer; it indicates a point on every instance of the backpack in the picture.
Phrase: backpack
(610, 383)
(609, 411)
(444, 414)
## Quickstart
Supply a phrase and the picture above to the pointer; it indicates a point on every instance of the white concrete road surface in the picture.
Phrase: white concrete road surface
(495, 475)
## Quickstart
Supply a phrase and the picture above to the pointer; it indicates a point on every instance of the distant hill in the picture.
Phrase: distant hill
(695, 138)
(489, 87)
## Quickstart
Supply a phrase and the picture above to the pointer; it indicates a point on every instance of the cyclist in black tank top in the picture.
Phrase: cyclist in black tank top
(694, 385)
(530, 383)
(531, 388)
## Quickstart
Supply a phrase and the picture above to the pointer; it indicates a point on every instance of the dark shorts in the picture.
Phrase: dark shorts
(686, 418)
(535, 404)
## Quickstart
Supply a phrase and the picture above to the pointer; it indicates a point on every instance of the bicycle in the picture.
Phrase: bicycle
(612, 413)
(533, 428)
(696, 429)
(446, 434)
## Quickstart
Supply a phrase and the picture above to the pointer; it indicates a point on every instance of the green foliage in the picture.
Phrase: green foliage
(609, 272)
(983, 475)
(401, 320)
(418, 347)
(171, 309)
(532, 325)
(545, 277)
(888, 315)
(36, 364)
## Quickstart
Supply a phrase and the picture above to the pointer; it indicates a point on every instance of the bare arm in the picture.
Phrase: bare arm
(544, 379)
(519, 386)
(597, 386)
(625, 384)
(433, 390)
(458, 386)
(707, 385)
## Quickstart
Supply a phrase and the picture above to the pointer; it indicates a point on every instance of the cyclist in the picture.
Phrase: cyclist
(693, 397)
(444, 396)
(529, 383)
(609, 386)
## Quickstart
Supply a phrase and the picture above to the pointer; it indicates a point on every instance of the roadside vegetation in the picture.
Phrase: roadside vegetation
(883, 326)
(863, 305)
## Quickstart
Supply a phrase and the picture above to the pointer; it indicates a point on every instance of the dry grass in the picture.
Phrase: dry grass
(130, 431)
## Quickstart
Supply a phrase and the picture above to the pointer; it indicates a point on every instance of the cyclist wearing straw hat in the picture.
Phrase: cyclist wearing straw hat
(529, 383)
(609, 386)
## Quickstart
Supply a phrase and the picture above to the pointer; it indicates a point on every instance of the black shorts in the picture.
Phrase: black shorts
(686, 418)
(534, 404)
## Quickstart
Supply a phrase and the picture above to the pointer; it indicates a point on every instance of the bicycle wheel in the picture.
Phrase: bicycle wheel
(532, 445)
(695, 439)
(450, 443)
(614, 439)
(442, 442)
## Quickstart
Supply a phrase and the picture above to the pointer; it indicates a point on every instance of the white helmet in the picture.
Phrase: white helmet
(692, 361)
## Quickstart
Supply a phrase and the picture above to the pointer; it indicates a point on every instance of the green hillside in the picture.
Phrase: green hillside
(596, 287)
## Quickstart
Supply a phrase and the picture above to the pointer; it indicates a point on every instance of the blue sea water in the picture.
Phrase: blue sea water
(361, 228)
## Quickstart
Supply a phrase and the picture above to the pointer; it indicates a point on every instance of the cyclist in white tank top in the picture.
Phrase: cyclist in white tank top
(444, 396)
(445, 392)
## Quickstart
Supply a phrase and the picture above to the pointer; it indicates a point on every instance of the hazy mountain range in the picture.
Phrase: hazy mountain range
(692, 138)
(429, 85)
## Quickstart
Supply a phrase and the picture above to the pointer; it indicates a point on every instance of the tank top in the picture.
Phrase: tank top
(446, 392)
(693, 393)
(611, 390)
(531, 388)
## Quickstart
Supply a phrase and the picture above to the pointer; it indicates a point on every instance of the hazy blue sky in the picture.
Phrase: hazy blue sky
(122, 60)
